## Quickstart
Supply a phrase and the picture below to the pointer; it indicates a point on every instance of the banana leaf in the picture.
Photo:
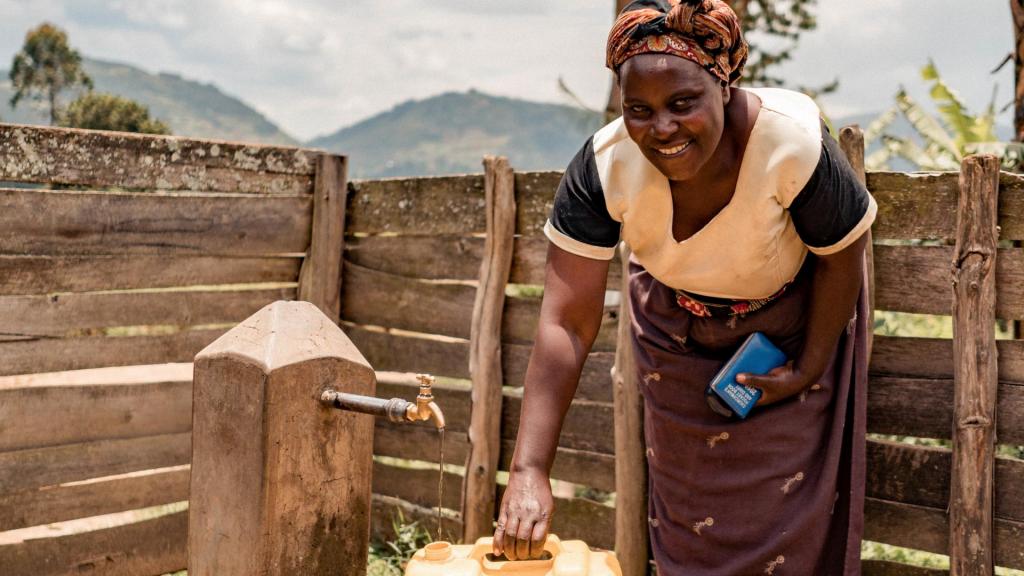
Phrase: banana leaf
(927, 126)
(878, 160)
(879, 125)
(950, 105)
(912, 152)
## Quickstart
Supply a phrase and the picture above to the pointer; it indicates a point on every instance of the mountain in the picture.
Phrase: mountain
(451, 132)
(189, 108)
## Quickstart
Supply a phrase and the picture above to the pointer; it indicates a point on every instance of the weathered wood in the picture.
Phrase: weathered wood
(885, 568)
(389, 513)
(56, 354)
(917, 205)
(280, 482)
(974, 369)
(445, 205)
(920, 475)
(924, 408)
(485, 351)
(434, 307)
(420, 443)
(450, 257)
(320, 278)
(30, 416)
(86, 223)
(22, 470)
(1011, 206)
(49, 274)
(595, 380)
(417, 485)
(925, 528)
(631, 532)
(154, 546)
(933, 358)
(917, 279)
(37, 507)
(851, 141)
(92, 158)
(62, 315)
(582, 519)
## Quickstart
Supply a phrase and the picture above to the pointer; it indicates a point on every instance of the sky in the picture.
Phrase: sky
(314, 66)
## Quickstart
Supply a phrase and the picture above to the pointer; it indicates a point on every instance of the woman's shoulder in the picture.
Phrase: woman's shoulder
(787, 141)
(791, 110)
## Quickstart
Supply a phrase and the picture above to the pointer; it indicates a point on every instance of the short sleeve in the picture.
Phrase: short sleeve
(833, 209)
(580, 222)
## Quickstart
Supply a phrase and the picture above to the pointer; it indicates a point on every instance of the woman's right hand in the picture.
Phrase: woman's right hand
(525, 516)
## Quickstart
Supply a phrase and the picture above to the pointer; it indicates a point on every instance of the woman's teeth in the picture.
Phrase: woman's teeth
(674, 150)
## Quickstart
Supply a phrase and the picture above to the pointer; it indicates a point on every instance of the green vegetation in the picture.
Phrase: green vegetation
(97, 111)
(46, 66)
(389, 558)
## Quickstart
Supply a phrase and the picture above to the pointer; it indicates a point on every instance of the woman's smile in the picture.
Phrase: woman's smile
(673, 151)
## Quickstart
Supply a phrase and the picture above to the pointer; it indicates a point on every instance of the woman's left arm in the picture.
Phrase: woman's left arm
(835, 289)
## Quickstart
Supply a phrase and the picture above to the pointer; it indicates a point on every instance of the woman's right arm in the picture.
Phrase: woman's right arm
(570, 317)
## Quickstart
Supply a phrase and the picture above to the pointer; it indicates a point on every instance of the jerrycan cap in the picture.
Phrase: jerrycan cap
(438, 551)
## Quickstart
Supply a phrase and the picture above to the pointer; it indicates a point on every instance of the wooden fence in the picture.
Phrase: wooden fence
(430, 283)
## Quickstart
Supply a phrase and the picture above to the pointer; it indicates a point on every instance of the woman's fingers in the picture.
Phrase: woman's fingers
(523, 540)
(538, 538)
(497, 543)
(509, 539)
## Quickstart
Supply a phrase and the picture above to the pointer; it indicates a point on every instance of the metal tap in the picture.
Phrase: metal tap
(394, 409)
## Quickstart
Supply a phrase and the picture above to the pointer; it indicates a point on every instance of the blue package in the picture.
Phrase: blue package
(757, 355)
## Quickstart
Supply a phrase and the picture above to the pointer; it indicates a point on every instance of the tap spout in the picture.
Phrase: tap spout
(394, 409)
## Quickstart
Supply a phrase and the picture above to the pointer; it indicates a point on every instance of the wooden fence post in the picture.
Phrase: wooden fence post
(280, 483)
(320, 276)
(485, 351)
(851, 141)
(631, 531)
(974, 369)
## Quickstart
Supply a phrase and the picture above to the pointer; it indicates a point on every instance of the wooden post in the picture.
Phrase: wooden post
(631, 530)
(280, 484)
(974, 369)
(320, 277)
(851, 141)
(478, 492)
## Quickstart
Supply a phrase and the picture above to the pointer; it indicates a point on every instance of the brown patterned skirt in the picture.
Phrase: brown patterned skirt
(781, 492)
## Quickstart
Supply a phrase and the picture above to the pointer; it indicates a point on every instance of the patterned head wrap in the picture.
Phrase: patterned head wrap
(704, 31)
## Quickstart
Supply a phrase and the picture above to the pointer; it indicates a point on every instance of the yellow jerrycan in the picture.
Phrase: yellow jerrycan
(569, 558)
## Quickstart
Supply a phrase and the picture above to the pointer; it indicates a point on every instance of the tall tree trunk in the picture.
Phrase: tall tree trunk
(1017, 9)
(740, 8)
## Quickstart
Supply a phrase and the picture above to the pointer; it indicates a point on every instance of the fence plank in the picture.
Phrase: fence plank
(933, 358)
(56, 354)
(49, 274)
(974, 369)
(924, 408)
(154, 546)
(918, 205)
(63, 314)
(1011, 206)
(381, 299)
(917, 279)
(33, 468)
(320, 278)
(98, 412)
(417, 485)
(63, 222)
(485, 351)
(141, 162)
(920, 475)
(37, 507)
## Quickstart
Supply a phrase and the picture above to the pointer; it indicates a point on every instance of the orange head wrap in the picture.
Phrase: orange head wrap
(704, 31)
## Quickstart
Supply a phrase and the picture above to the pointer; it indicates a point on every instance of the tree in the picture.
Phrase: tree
(97, 111)
(1017, 10)
(773, 20)
(45, 66)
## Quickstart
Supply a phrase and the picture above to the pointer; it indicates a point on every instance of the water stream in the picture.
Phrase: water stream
(440, 480)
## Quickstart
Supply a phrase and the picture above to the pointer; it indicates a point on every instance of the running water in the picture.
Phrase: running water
(440, 480)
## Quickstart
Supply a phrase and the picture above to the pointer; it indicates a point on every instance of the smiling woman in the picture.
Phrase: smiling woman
(742, 216)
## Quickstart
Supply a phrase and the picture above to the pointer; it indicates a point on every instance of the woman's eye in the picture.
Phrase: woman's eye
(682, 103)
(638, 109)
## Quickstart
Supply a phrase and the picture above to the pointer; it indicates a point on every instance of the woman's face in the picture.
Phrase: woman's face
(674, 110)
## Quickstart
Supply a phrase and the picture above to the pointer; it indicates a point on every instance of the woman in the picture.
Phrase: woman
(742, 216)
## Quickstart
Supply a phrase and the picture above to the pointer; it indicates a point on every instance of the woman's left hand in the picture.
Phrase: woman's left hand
(779, 384)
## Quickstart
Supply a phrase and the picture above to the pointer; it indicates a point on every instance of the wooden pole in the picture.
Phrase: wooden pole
(485, 351)
(631, 530)
(320, 277)
(851, 141)
(974, 369)
(280, 484)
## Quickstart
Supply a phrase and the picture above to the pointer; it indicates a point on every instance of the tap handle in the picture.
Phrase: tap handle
(426, 383)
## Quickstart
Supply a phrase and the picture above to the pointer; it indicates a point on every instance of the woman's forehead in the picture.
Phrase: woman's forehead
(655, 71)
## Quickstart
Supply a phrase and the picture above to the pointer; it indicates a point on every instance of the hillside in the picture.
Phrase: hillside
(451, 132)
(190, 108)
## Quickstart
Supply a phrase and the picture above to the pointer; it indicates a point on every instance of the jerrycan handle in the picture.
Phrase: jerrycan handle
(552, 546)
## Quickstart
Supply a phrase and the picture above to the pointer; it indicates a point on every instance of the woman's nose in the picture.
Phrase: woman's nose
(664, 126)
